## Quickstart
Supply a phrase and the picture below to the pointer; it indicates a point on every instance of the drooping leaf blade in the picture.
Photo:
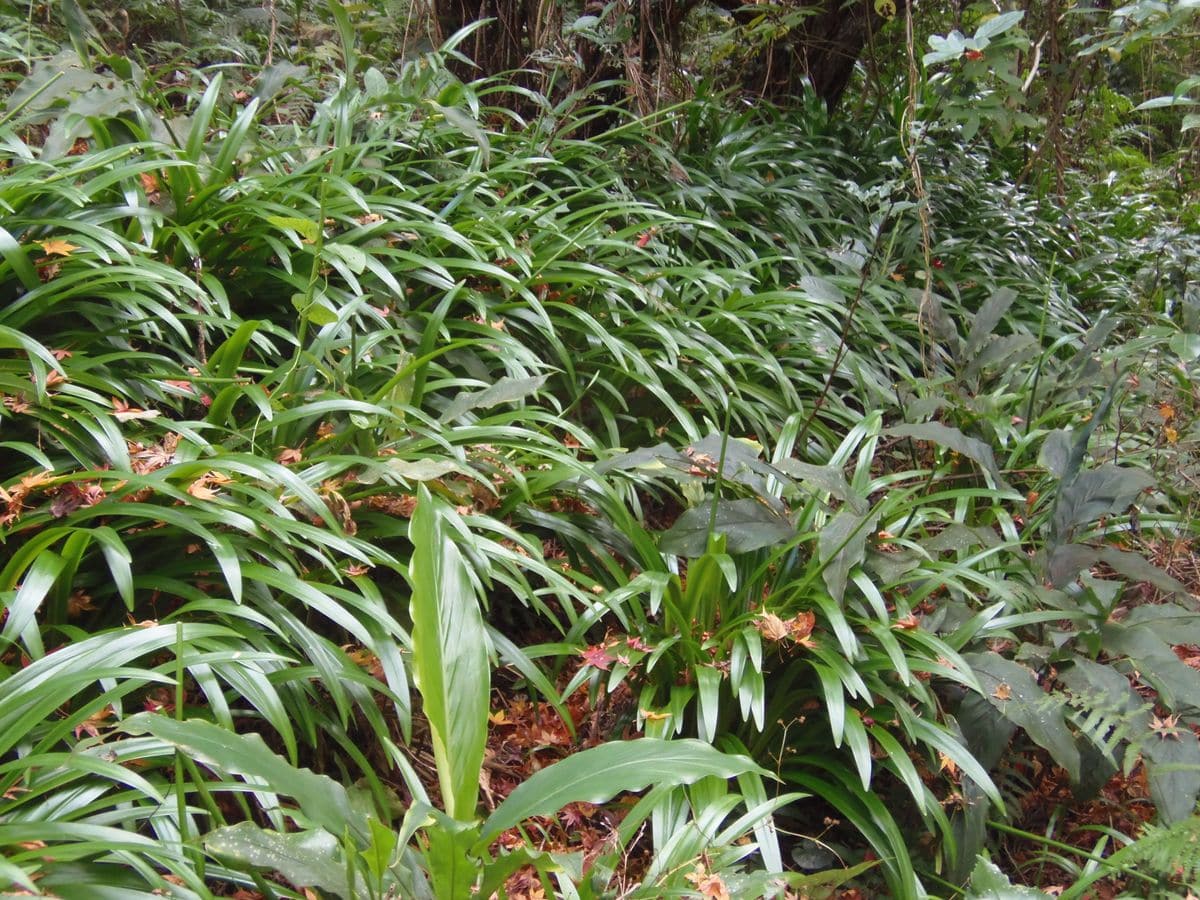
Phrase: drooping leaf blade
(450, 655)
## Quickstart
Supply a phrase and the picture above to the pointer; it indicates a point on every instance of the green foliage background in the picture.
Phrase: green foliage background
(835, 455)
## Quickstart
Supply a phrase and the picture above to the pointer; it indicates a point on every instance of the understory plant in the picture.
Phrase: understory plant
(342, 404)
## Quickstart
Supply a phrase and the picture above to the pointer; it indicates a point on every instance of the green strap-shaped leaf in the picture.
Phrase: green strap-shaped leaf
(450, 657)
(599, 774)
(14, 254)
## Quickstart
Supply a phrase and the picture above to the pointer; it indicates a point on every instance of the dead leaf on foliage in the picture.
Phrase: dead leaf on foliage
(801, 625)
(946, 764)
(73, 496)
(798, 628)
(57, 247)
(708, 884)
(79, 602)
(17, 404)
(201, 491)
(126, 413)
(597, 655)
(1003, 691)
(771, 626)
(1165, 727)
(93, 723)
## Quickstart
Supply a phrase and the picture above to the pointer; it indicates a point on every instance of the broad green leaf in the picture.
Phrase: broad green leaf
(1097, 492)
(997, 25)
(1066, 562)
(828, 479)
(644, 457)
(422, 469)
(1170, 621)
(315, 309)
(745, 524)
(469, 127)
(1186, 346)
(14, 254)
(1012, 689)
(972, 448)
(841, 545)
(990, 314)
(304, 858)
(453, 868)
(354, 258)
(708, 680)
(270, 80)
(306, 228)
(450, 655)
(506, 390)
(1156, 663)
(989, 883)
(599, 774)
(321, 800)
(1055, 454)
(38, 580)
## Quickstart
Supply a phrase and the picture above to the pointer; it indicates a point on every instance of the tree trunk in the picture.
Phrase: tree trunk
(821, 50)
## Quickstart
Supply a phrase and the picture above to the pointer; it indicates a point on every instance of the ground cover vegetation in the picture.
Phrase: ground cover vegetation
(630, 451)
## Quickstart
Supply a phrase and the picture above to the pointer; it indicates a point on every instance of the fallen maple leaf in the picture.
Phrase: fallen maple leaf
(201, 491)
(708, 884)
(92, 724)
(57, 247)
(72, 496)
(946, 764)
(1165, 727)
(596, 655)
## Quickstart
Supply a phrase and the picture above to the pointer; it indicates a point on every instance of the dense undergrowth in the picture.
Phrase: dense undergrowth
(361, 437)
